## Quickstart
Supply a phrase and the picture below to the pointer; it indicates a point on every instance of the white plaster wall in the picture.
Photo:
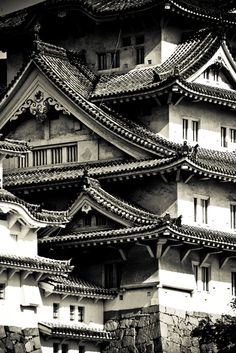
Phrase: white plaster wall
(220, 196)
(11, 312)
(211, 117)
(132, 298)
(93, 312)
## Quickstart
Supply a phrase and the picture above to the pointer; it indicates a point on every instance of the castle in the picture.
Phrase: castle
(117, 173)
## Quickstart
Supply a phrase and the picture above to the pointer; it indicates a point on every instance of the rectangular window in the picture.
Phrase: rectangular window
(223, 137)
(233, 135)
(64, 348)
(195, 128)
(233, 283)
(2, 291)
(72, 153)
(55, 310)
(55, 347)
(102, 61)
(205, 279)
(204, 206)
(233, 216)
(115, 59)
(185, 129)
(139, 55)
(200, 211)
(202, 277)
(39, 157)
(72, 312)
(23, 162)
(56, 155)
(112, 275)
(80, 313)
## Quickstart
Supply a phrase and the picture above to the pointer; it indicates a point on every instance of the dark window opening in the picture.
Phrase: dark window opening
(140, 55)
(126, 41)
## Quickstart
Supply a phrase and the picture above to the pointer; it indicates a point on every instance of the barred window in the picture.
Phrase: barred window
(80, 313)
(72, 153)
(56, 155)
(23, 162)
(72, 312)
(55, 310)
(39, 157)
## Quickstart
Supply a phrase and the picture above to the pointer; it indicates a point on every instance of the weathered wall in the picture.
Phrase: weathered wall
(17, 340)
(154, 329)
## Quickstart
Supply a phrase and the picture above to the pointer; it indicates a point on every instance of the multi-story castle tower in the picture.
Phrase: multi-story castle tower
(129, 110)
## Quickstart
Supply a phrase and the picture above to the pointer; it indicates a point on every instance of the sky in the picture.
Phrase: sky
(7, 6)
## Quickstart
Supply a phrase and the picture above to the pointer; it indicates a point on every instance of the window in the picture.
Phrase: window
(233, 283)
(64, 348)
(55, 347)
(190, 130)
(81, 349)
(56, 155)
(139, 55)
(101, 220)
(2, 291)
(87, 220)
(23, 162)
(200, 209)
(80, 313)
(109, 60)
(39, 157)
(202, 277)
(233, 216)
(115, 59)
(233, 135)
(185, 129)
(55, 310)
(223, 137)
(72, 312)
(72, 153)
(102, 61)
(112, 275)
(126, 41)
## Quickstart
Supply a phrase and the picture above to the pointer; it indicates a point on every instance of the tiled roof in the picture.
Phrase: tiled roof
(82, 331)
(35, 211)
(167, 229)
(102, 8)
(73, 285)
(36, 263)
(134, 215)
(13, 147)
(188, 57)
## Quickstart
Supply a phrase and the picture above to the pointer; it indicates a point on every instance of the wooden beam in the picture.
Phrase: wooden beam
(2, 270)
(64, 296)
(122, 254)
(159, 246)
(38, 276)
(163, 178)
(24, 231)
(169, 98)
(24, 274)
(80, 298)
(158, 101)
(179, 100)
(11, 272)
(178, 172)
(95, 300)
(165, 249)
(47, 294)
(188, 178)
(223, 261)
(13, 218)
(185, 253)
(206, 255)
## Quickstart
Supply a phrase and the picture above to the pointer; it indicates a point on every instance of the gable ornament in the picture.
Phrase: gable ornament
(38, 104)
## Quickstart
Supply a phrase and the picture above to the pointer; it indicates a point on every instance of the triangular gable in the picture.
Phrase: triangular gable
(94, 197)
(46, 82)
(219, 70)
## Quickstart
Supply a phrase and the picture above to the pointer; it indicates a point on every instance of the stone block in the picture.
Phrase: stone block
(129, 332)
(14, 329)
(37, 343)
(150, 348)
(8, 344)
(127, 341)
(2, 332)
(16, 337)
(111, 325)
(19, 348)
(143, 321)
(164, 330)
(37, 351)
(125, 323)
(29, 346)
(31, 332)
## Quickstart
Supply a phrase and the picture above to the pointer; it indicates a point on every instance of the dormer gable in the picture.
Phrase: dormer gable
(95, 207)
(219, 71)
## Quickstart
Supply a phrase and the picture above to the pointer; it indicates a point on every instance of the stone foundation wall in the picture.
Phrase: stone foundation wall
(154, 330)
(16, 340)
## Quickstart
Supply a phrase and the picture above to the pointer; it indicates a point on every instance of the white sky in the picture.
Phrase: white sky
(7, 6)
